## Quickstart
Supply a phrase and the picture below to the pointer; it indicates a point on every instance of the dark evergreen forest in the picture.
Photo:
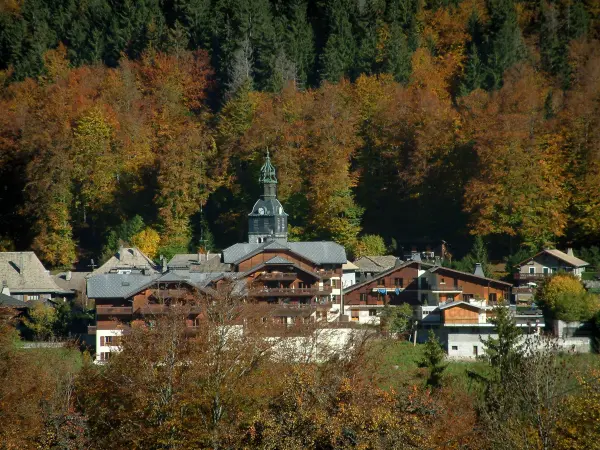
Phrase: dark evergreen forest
(390, 121)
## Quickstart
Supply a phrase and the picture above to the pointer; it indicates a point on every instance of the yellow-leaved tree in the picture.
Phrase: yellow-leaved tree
(147, 241)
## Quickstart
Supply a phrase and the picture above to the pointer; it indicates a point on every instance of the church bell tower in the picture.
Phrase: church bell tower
(268, 220)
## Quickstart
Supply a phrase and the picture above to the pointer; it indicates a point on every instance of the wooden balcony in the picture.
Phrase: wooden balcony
(153, 309)
(531, 276)
(445, 288)
(277, 276)
(113, 310)
(290, 292)
(171, 293)
(326, 274)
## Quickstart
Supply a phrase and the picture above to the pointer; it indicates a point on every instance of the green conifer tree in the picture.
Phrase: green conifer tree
(433, 358)
(338, 54)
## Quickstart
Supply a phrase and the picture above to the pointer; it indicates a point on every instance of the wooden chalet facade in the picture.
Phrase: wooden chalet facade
(420, 285)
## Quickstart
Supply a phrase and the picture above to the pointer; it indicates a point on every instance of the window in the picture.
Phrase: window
(442, 281)
(33, 297)
(475, 350)
(546, 270)
(363, 297)
(372, 312)
(335, 283)
(381, 282)
(335, 299)
(467, 297)
(554, 270)
(104, 356)
(399, 282)
(532, 270)
(455, 347)
(493, 298)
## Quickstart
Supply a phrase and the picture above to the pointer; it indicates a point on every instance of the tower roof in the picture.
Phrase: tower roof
(267, 171)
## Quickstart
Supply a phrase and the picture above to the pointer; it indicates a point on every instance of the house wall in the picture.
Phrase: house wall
(409, 294)
(549, 262)
(476, 288)
(460, 314)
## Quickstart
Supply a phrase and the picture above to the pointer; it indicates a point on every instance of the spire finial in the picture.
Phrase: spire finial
(267, 171)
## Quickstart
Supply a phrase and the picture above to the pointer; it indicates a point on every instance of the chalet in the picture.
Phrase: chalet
(121, 299)
(128, 260)
(547, 262)
(419, 284)
(24, 277)
(370, 266)
(463, 326)
(278, 272)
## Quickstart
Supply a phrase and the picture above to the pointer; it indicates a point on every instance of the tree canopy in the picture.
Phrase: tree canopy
(399, 119)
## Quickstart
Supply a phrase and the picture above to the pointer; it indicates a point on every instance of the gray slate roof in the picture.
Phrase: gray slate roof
(23, 272)
(375, 263)
(278, 260)
(113, 285)
(186, 260)
(77, 283)
(127, 258)
(322, 252)
(8, 301)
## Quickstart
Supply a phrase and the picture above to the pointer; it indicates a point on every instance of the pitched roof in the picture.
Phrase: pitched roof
(23, 272)
(278, 260)
(127, 258)
(491, 280)
(8, 301)
(375, 263)
(383, 274)
(569, 259)
(194, 260)
(349, 266)
(322, 252)
(77, 283)
(115, 285)
(453, 304)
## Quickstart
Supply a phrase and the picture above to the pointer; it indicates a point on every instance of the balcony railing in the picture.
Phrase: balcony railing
(445, 288)
(162, 309)
(531, 276)
(290, 292)
(278, 276)
(113, 310)
(325, 274)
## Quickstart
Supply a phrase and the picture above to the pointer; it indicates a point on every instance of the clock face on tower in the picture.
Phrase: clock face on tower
(261, 211)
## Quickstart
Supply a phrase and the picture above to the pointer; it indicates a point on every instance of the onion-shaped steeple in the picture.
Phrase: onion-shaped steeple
(268, 220)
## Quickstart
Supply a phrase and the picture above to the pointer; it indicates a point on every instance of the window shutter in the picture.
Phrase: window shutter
(101, 340)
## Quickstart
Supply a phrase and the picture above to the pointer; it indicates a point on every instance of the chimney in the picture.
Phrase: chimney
(478, 270)
(5, 289)
(68, 275)
(570, 252)
(120, 253)
(398, 262)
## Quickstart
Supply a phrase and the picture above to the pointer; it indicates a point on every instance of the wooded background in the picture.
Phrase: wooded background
(404, 119)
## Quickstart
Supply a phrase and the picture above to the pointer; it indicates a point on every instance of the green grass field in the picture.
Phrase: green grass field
(398, 365)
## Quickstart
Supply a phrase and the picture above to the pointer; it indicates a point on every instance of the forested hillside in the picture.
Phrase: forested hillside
(147, 121)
